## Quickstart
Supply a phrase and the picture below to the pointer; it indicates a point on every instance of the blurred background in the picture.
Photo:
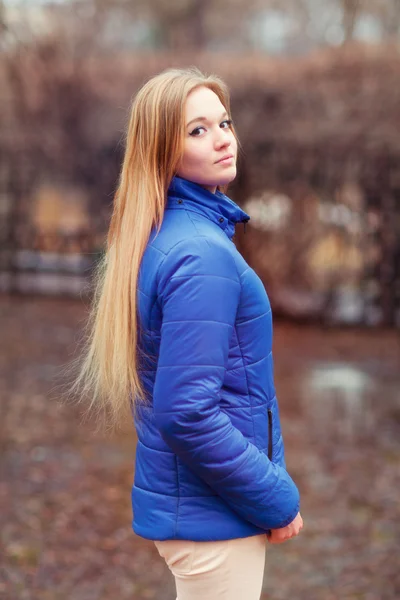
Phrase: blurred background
(315, 88)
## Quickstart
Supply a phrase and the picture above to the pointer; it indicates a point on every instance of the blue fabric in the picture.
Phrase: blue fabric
(202, 466)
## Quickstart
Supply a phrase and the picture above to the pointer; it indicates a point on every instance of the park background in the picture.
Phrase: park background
(315, 90)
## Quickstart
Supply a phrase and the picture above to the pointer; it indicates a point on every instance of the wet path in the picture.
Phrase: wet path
(65, 491)
(340, 399)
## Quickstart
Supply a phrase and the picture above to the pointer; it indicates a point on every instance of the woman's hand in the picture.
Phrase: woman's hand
(277, 536)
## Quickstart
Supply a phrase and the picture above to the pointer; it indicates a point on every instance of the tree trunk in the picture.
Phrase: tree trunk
(351, 9)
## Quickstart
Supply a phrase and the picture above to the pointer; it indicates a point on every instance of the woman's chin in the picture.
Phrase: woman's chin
(227, 178)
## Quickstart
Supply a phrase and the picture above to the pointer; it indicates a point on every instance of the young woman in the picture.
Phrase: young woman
(181, 336)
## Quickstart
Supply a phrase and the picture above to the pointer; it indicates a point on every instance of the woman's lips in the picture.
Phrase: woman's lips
(226, 160)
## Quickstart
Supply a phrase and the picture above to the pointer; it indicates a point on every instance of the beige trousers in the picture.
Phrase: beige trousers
(222, 570)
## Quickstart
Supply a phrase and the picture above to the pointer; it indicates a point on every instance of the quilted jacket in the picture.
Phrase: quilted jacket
(209, 459)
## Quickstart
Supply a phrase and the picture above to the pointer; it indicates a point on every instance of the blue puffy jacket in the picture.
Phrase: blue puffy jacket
(209, 458)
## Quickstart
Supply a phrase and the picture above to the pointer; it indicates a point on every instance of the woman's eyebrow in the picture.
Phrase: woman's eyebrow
(224, 114)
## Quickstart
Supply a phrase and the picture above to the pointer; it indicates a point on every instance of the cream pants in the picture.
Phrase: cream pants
(221, 570)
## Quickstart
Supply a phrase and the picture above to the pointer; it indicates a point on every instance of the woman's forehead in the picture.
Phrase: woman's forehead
(203, 102)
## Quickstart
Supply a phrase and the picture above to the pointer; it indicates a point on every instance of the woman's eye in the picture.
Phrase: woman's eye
(225, 125)
(196, 131)
(228, 123)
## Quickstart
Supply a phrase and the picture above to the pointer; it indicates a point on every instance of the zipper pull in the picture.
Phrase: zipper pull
(244, 225)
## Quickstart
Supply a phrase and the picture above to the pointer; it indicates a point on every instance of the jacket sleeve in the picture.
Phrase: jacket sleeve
(199, 290)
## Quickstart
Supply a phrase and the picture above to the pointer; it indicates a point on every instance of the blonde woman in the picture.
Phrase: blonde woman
(180, 337)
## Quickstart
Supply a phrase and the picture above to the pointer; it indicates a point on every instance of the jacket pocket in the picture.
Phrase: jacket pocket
(270, 434)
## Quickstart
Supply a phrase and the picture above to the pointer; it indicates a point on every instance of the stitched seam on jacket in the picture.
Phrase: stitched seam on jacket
(151, 309)
(173, 454)
(187, 210)
(179, 494)
(167, 254)
(248, 364)
(200, 214)
(156, 449)
(191, 220)
(150, 317)
(171, 496)
(197, 321)
(151, 245)
(186, 366)
(203, 275)
(247, 385)
(228, 408)
(279, 512)
(215, 366)
(254, 318)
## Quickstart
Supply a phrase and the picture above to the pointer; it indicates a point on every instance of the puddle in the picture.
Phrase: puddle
(338, 401)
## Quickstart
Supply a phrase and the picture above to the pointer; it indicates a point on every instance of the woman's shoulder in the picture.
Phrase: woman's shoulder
(195, 256)
(184, 233)
(177, 241)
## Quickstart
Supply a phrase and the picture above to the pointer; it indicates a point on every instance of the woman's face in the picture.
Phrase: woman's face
(208, 139)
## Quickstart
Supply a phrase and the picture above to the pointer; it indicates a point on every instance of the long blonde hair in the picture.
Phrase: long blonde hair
(108, 367)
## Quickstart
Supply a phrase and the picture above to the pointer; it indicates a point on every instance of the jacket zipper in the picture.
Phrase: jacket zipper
(244, 224)
(270, 434)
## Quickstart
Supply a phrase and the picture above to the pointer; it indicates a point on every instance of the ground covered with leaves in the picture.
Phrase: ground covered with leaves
(65, 511)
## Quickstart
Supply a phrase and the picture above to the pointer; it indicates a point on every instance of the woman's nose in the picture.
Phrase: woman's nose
(223, 139)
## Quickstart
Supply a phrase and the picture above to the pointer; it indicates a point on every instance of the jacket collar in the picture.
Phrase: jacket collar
(217, 207)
